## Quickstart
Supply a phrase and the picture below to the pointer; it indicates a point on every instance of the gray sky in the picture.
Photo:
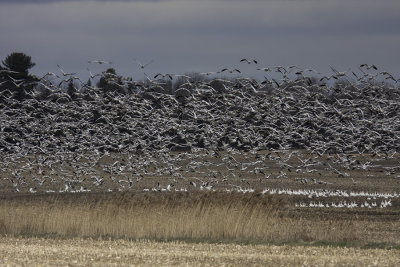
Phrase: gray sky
(203, 35)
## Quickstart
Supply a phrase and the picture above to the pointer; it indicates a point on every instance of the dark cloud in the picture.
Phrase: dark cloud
(59, 1)
(202, 35)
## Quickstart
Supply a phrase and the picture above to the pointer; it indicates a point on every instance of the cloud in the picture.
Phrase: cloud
(59, 1)
(186, 35)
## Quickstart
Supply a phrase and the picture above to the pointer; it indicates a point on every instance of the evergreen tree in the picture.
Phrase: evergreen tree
(71, 90)
(15, 75)
(111, 82)
(18, 62)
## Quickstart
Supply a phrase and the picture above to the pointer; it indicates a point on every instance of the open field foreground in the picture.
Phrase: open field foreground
(85, 252)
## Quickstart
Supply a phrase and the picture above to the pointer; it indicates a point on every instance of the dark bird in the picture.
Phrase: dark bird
(264, 69)
(100, 61)
(249, 61)
(368, 66)
(163, 75)
(230, 70)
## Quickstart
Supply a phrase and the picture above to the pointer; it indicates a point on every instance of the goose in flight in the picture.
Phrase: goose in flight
(163, 75)
(249, 61)
(281, 70)
(49, 74)
(9, 71)
(266, 81)
(183, 76)
(17, 82)
(264, 69)
(64, 73)
(338, 73)
(229, 70)
(93, 75)
(368, 66)
(157, 82)
(141, 65)
(276, 82)
(208, 73)
(328, 78)
(389, 76)
(100, 61)
(70, 79)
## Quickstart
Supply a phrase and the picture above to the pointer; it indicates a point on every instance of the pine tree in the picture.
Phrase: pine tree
(71, 90)
(18, 62)
(16, 76)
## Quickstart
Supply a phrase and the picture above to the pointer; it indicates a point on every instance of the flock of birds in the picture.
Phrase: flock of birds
(220, 133)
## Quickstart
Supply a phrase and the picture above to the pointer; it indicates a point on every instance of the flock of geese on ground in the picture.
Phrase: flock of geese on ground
(219, 133)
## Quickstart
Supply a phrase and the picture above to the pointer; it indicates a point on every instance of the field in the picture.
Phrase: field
(85, 252)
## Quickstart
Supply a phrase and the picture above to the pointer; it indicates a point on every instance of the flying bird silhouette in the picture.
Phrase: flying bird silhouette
(141, 65)
(100, 61)
(229, 70)
(249, 61)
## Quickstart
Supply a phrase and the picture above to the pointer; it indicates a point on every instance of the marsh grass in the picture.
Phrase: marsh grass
(167, 216)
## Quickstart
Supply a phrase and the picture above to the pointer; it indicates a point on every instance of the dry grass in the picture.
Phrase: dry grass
(89, 252)
(212, 216)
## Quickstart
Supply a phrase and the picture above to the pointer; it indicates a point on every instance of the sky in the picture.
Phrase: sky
(181, 36)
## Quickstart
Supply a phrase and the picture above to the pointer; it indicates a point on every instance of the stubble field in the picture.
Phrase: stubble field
(85, 252)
